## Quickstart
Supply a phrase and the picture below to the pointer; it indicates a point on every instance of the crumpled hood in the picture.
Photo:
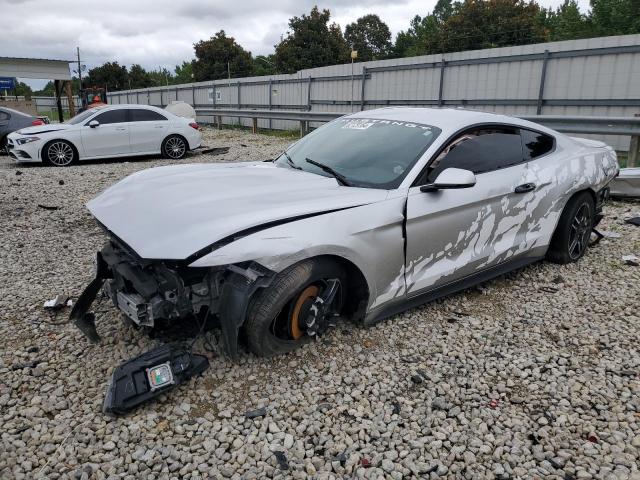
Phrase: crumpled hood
(44, 128)
(173, 212)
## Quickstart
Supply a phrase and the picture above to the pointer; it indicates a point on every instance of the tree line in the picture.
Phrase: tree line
(314, 41)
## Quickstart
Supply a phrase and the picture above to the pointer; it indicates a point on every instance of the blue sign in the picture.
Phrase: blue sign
(7, 83)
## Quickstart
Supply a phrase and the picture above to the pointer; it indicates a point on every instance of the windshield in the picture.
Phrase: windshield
(81, 117)
(366, 152)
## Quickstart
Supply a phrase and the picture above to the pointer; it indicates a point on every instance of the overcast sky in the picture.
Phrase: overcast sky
(157, 33)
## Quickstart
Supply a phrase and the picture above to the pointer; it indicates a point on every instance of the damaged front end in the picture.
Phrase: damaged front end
(152, 293)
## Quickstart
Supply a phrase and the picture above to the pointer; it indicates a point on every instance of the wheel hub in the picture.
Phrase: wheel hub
(301, 311)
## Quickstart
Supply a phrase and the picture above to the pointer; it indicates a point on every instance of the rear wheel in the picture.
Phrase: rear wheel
(59, 153)
(3, 146)
(277, 316)
(571, 238)
(174, 147)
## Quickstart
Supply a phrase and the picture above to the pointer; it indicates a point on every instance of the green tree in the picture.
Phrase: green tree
(21, 89)
(161, 77)
(423, 37)
(111, 74)
(443, 10)
(476, 24)
(566, 22)
(138, 77)
(48, 90)
(370, 37)
(615, 17)
(264, 65)
(219, 56)
(184, 73)
(312, 42)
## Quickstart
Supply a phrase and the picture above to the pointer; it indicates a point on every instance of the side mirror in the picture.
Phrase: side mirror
(94, 123)
(451, 178)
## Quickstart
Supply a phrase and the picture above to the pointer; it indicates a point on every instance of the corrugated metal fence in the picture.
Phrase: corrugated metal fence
(598, 76)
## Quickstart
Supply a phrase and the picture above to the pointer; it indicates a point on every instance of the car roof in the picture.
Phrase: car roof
(135, 105)
(15, 112)
(447, 119)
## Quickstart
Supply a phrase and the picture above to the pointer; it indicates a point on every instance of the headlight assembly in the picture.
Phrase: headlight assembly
(22, 141)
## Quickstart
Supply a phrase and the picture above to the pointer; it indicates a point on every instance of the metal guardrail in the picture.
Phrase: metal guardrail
(568, 124)
(292, 115)
(574, 124)
(597, 125)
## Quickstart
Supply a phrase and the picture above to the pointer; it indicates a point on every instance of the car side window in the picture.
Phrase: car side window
(143, 115)
(112, 116)
(536, 144)
(480, 150)
(4, 116)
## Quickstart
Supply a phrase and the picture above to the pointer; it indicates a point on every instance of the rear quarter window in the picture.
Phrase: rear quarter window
(536, 144)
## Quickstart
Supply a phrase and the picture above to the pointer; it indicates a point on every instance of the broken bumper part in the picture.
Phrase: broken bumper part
(80, 314)
(150, 375)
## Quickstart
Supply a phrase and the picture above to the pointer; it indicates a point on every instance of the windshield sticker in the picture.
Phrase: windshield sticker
(364, 123)
(360, 124)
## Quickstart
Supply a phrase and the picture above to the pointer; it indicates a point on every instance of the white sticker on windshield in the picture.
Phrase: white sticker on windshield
(359, 124)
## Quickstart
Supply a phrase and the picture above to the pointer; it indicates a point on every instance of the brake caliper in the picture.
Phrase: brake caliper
(322, 315)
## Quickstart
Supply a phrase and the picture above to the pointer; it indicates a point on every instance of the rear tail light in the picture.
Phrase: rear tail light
(194, 125)
(37, 122)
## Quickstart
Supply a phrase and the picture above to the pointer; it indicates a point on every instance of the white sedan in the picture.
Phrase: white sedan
(108, 131)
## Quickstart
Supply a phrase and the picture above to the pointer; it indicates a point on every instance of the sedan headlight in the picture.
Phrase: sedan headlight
(22, 141)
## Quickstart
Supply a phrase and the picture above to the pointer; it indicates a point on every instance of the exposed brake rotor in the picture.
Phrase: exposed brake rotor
(322, 314)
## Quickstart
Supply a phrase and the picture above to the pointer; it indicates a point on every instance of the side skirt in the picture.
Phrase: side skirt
(444, 290)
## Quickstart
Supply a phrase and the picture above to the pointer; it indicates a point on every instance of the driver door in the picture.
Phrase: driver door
(454, 233)
(110, 137)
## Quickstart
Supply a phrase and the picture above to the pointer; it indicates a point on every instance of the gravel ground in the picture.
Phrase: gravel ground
(535, 374)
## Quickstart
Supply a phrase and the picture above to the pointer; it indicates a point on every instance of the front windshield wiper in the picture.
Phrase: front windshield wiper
(338, 176)
(291, 162)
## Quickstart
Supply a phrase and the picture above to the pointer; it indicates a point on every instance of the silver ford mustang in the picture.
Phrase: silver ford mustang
(367, 216)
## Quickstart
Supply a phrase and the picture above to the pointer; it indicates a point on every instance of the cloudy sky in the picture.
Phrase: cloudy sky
(157, 33)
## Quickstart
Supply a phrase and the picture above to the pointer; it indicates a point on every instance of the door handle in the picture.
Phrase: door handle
(525, 187)
(159, 126)
(120, 128)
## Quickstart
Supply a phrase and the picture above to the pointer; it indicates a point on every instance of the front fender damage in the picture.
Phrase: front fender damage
(237, 291)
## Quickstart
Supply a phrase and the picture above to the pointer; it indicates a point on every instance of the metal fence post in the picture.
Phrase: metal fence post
(270, 100)
(633, 158)
(239, 105)
(148, 96)
(309, 94)
(543, 76)
(443, 65)
(193, 96)
(364, 79)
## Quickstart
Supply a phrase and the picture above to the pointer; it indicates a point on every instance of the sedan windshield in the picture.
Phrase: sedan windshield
(81, 117)
(365, 152)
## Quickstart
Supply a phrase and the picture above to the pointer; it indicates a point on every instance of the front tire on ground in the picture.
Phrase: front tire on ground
(59, 153)
(273, 323)
(174, 147)
(571, 238)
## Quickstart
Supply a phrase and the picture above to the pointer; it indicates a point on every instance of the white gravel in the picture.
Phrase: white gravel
(536, 374)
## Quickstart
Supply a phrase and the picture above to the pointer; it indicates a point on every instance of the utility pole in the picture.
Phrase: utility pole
(79, 68)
